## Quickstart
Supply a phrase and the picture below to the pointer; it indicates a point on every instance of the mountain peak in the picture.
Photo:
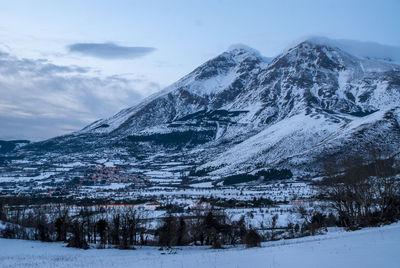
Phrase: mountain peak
(237, 59)
(360, 49)
(242, 52)
(243, 48)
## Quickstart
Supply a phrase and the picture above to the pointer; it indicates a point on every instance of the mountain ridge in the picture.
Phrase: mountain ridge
(206, 69)
(241, 112)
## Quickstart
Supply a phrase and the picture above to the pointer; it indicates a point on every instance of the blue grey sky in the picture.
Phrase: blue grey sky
(127, 50)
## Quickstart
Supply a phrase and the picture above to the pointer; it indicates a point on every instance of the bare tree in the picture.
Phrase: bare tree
(363, 191)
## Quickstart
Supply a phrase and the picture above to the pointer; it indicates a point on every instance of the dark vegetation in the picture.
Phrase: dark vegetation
(7, 159)
(234, 203)
(363, 192)
(102, 126)
(265, 175)
(205, 119)
(200, 172)
(42, 200)
(127, 227)
(211, 227)
(8, 146)
(74, 143)
(213, 115)
(363, 113)
(123, 228)
(189, 137)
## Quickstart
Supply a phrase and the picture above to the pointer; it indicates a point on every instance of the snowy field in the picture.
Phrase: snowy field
(372, 247)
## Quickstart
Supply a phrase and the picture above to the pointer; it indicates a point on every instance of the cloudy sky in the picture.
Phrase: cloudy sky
(64, 64)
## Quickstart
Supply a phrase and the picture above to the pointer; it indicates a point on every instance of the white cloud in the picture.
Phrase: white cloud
(40, 99)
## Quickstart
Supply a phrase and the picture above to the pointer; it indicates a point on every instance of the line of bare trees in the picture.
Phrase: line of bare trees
(363, 192)
(125, 228)
(210, 227)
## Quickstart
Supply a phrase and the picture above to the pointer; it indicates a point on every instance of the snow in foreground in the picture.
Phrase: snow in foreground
(373, 247)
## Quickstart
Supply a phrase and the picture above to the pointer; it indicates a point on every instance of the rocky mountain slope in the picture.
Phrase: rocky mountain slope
(241, 112)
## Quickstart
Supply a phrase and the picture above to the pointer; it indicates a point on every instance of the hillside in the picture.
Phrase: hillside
(242, 112)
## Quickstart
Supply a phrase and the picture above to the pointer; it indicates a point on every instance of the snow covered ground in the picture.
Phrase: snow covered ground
(372, 247)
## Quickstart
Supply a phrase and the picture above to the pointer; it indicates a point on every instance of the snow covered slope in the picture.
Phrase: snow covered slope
(209, 87)
(311, 74)
(301, 142)
(373, 247)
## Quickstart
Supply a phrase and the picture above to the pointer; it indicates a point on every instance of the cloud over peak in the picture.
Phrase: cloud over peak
(109, 50)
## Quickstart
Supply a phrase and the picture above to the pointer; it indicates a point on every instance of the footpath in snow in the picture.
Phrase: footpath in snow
(372, 247)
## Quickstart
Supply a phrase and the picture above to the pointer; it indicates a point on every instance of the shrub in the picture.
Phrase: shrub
(252, 238)
(266, 175)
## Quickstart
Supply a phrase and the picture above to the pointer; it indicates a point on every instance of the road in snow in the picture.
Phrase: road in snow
(373, 247)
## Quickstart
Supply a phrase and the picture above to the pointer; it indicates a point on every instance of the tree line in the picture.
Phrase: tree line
(125, 228)
(363, 192)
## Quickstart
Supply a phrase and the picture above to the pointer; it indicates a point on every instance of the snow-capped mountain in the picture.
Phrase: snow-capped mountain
(213, 85)
(240, 112)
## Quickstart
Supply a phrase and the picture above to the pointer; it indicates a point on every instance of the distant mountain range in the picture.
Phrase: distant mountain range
(241, 112)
